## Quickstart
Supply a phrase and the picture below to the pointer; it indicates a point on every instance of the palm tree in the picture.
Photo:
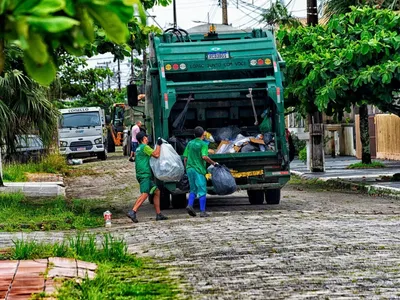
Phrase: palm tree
(23, 105)
(333, 7)
(278, 14)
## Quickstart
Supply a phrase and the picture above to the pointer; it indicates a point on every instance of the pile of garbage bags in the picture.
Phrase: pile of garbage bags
(231, 140)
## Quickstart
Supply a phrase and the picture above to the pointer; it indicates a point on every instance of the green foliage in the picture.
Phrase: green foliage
(303, 154)
(337, 7)
(353, 59)
(20, 213)
(104, 99)
(119, 275)
(298, 144)
(52, 163)
(373, 165)
(40, 27)
(78, 80)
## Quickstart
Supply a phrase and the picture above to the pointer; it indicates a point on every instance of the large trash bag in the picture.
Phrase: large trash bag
(169, 166)
(178, 144)
(183, 184)
(226, 133)
(222, 180)
(268, 138)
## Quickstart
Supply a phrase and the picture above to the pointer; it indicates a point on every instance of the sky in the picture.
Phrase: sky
(190, 13)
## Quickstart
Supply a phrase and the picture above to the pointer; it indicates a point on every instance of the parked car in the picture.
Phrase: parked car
(29, 148)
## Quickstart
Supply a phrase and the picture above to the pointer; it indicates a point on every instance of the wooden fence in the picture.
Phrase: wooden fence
(387, 128)
(385, 136)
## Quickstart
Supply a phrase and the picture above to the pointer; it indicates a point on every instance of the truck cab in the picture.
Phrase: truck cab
(82, 132)
(220, 80)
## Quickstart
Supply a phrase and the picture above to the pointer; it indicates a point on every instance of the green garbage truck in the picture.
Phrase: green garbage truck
(230, 83)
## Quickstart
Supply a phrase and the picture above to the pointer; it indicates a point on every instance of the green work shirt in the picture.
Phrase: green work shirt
(142, 161)
(194, 152)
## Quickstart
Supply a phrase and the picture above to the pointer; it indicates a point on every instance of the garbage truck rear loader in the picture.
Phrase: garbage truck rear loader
(230, 83)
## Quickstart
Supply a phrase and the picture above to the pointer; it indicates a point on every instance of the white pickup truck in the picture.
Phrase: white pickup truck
(82, 132)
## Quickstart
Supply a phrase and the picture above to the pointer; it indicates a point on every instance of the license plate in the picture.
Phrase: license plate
(218, 55)
(81, 148)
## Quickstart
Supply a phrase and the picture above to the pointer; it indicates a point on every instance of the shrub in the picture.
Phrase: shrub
(303, 154)
(298, 144)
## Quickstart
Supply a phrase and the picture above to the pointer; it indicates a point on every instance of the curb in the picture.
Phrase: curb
(35, 189)
(343, 183)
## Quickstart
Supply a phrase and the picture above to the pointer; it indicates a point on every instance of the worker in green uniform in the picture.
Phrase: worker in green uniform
(145, 177)
(195, 158)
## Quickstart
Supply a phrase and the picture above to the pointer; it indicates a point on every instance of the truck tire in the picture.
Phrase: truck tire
(102, 155)
(273, 196)
(127, 149)
(110, 143)
(255, 197)
(179, 201)
(165, 198)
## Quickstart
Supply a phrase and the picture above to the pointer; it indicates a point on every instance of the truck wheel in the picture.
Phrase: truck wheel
(273, 196)
(110, 143)
(256, 197)
(102, 155)
(179, 201)
(165, 198)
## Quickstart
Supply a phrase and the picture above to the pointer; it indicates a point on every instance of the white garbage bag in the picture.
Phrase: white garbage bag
(168, 167)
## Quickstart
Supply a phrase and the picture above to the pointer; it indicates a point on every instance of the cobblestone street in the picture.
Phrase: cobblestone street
(316, 244)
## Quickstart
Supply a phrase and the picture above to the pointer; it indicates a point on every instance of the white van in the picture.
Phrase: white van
(82, 132)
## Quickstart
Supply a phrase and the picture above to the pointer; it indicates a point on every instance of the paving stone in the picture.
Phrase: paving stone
(62, 262)
(62, 272)
(86, 265)
(82, 273)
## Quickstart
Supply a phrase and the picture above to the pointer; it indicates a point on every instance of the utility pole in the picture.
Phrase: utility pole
(106, 63)
(315, 125)
(119, 75)
(224, 12)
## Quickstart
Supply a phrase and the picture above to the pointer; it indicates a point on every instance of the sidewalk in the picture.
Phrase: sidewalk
(336, 168)
(19, 279)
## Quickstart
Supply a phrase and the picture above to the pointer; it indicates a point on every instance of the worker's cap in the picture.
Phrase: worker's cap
(140, 136)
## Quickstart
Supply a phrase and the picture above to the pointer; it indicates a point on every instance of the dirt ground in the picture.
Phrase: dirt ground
(317, 244)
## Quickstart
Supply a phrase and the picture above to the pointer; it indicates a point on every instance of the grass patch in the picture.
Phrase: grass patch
(18, 212)
(373, 165)
(52, 163)
(120, 275)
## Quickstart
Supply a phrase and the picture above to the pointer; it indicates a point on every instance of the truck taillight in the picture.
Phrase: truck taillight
(260, 62)
(182, 66)
(175, 67)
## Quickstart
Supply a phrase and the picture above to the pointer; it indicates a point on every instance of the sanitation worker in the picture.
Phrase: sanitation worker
(195, 159)
(145, 177)
(134, 142)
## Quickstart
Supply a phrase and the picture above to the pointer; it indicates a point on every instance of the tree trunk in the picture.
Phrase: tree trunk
(2, 44)
(1, 171)
(364, 132)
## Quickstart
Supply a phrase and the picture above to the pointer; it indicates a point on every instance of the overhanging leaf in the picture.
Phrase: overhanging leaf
(37, 48)
(48, 6)
(42, 73)
(52, 24)
(114, 28)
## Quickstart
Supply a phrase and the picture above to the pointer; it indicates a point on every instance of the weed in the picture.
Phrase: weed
(119, 275)
(52, 163)
(373, 165)
(303, 154)
(20, 213)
